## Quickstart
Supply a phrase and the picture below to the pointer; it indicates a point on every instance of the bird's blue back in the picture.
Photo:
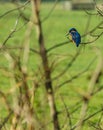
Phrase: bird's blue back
(76, 37)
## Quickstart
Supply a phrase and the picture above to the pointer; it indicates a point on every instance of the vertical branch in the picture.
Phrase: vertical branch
(96, 73)
(86, 99)
(47, 72)
(16, 116)
(26, 47)
(68, 116)
(28, 113)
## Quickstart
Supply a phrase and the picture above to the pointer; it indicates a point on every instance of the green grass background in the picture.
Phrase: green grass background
(54, 30)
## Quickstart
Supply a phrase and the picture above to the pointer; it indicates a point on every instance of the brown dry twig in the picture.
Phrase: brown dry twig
(91, 86)
(15, 9)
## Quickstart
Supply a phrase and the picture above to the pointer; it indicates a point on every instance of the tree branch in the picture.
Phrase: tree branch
(47, 72)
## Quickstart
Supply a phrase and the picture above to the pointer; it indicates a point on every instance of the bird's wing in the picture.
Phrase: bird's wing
(76, 37)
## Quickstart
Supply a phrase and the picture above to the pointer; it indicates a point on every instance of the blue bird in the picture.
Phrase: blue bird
(74, 36)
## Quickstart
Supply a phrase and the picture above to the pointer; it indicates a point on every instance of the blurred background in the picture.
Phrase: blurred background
(46, 82)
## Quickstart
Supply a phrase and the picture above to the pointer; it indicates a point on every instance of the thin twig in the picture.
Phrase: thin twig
(67, 67)
(89, 117)
(50, 12)
(67, 42)
(21, 48)
(57, 45)
(15, 9)
(75, 76)
(68, 114)
(97, 37)
(6, 120)
(12, 32)
(86, 99)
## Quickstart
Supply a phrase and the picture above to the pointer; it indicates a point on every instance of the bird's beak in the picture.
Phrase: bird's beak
(67, 34)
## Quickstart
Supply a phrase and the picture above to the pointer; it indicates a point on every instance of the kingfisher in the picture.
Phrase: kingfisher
(74, 36)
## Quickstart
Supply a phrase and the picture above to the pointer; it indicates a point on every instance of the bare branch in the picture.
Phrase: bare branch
(48, 85)
(91, 86)
(58, 45)
(12, 10)
(75, 76)
(95, 39)
(93, 30)
(89, 117)
(12, 32)
(50, 12)
(68, 115)
(89, 32)
(89, 13)
(5, 100)
(92, 115)
(20, 48)
(67, 67)
(5, 120)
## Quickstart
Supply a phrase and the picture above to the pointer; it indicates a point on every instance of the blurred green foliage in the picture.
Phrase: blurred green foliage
(54, 30)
